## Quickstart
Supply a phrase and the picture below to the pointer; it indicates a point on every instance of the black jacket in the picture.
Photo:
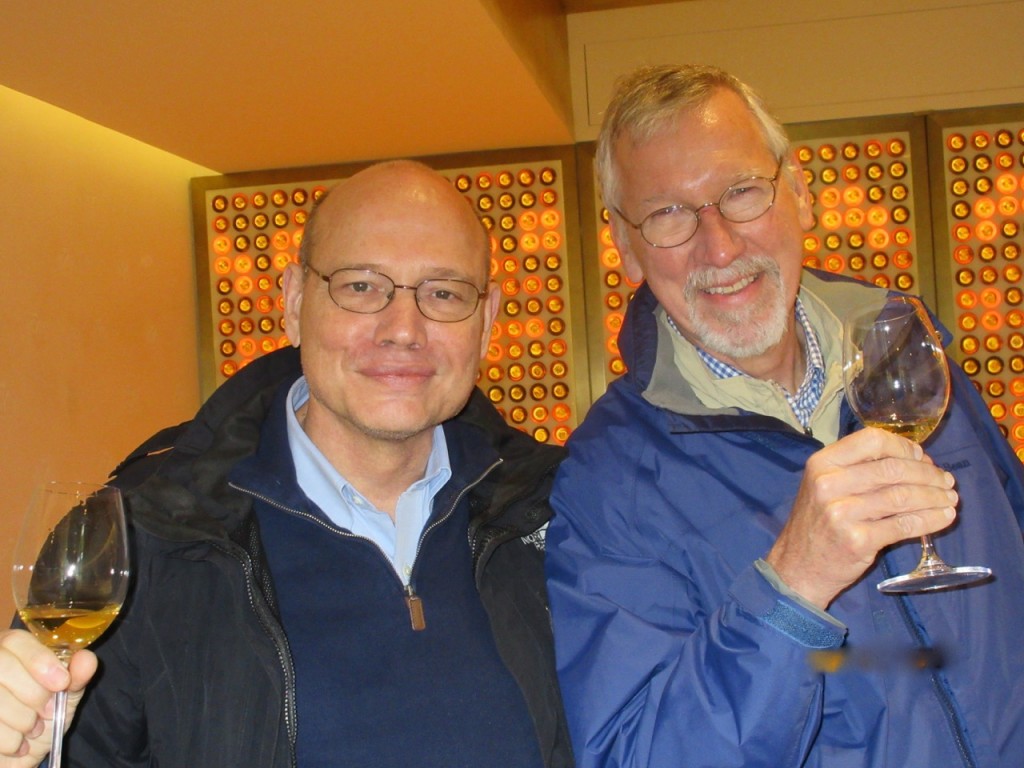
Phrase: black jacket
(197, 671)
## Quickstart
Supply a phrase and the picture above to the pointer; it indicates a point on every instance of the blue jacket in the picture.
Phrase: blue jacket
(673, 649)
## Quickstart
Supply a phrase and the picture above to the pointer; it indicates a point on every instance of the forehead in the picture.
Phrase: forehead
(404, 234)
(718, 137)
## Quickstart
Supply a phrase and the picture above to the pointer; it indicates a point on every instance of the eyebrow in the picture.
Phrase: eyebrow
(660, 201)
(435, 273)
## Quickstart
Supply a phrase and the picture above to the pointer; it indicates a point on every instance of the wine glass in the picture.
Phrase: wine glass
(897, 379)
(70, 573)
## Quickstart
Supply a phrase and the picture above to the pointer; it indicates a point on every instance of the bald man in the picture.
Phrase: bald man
(336, 564)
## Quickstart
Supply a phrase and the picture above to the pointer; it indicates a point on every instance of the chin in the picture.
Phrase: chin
(394, 425)
(742, 338)
(394, 435)
(394, 429)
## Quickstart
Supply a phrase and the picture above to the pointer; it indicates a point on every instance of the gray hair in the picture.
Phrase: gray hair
(650, 97)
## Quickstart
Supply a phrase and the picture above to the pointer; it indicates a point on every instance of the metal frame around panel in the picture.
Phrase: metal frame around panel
(590, 203)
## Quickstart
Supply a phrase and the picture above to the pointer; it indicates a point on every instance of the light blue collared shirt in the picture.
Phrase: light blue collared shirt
(349, 509)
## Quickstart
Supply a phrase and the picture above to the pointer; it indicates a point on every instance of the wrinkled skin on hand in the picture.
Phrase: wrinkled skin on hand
(857, 496)
(30, 674)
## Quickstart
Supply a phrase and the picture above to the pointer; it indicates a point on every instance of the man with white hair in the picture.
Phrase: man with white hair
(722, 520)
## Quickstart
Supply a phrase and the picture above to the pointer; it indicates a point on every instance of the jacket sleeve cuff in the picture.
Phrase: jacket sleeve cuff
(761, 592)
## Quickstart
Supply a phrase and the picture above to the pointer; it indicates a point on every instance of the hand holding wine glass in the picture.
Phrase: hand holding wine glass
(897, 379)
(70, 573)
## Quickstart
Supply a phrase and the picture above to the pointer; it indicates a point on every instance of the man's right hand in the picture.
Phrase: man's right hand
(857, 496)
(30, 674)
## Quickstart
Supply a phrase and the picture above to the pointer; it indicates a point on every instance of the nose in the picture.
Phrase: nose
(717, 237)
(401, 321)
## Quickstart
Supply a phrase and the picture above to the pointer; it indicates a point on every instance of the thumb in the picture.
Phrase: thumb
(82, 667)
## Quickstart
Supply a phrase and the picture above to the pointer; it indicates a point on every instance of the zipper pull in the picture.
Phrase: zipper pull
(415, 605)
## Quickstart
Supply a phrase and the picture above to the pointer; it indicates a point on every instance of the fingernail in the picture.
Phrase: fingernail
(57, 674)
(950, 513)
(950, 480)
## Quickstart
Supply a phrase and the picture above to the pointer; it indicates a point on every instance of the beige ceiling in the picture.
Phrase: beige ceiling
(238, 86)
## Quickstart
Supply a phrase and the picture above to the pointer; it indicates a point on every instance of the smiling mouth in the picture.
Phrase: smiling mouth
(728, 290)
(398, 376)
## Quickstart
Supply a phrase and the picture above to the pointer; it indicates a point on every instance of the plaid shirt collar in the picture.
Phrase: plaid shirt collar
(809, 394)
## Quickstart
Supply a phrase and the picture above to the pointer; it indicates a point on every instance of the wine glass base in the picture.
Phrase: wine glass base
(930, 579)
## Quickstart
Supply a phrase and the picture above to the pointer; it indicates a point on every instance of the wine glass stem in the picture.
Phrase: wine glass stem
(929, 557)
(60, 705)
(60, 710)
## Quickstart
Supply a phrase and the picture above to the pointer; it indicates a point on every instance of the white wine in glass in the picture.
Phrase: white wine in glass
(897, 379)
(70, 573)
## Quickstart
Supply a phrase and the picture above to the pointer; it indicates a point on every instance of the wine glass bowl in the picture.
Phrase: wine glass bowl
(70, 572)
(896, 378)
(896, 375)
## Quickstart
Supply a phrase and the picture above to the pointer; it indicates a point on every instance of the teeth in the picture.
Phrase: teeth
(723, 290)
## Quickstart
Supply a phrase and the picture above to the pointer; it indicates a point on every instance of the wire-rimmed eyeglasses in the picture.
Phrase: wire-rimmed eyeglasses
(674, 225)
(445, 300)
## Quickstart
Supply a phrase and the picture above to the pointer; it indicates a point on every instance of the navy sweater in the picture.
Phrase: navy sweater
(372, 690)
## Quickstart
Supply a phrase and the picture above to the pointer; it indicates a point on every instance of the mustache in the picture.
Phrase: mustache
(713, 277)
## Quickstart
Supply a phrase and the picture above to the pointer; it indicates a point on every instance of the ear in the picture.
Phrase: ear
(492, 302)
(630, 263)
(294, 283)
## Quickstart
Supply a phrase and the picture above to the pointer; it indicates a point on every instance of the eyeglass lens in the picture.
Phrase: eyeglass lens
(742, 202)
(366, 292)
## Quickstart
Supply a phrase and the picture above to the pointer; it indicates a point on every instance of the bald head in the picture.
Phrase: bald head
(384, 189)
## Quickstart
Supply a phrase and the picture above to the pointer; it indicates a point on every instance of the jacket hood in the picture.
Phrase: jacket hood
(188, 496)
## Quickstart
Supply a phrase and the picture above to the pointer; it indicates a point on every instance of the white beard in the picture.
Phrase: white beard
(748, 331)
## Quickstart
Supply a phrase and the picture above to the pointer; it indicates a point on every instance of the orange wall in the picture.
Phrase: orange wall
(99, 301)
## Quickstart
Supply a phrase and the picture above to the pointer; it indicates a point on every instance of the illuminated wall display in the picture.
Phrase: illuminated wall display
(977, 172)
(930, 204)
(870, 194)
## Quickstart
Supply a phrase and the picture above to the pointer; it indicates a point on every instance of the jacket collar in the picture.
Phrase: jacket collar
(648, 354)
(190, 497)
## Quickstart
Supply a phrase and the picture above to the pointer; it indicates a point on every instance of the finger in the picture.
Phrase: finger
(907, 478)
(868, 444)
(19, 711)
(913, 494)
(902, 480)
(82, 667)
(904, 526)
(873, 493)
(29, 672)
(18, 723)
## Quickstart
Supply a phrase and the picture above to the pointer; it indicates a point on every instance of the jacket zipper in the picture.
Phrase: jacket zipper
(271, 627)
(413, 602)
(945, 701)
(482, 547)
